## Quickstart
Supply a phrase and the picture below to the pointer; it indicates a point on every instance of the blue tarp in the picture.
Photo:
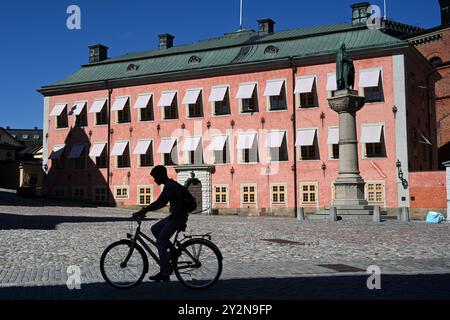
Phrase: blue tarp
(434, 217)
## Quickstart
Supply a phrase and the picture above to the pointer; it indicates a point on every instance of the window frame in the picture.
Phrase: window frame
(199, 104)
(283, 93)
(255, 194)
(366, 192)
(126, 110)
(139, 194)
(174, 105)
(316, 193)
(221, 193)
(121, 187)
(94, 193)
(118, 166)
(227, 95)
(285, 193)
(254, 97)
(150, 106)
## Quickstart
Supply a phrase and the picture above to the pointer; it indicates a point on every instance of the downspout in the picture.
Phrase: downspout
(108, 158)
(294, 126)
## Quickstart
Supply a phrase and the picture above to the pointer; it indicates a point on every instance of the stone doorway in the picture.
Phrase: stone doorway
(195, 188)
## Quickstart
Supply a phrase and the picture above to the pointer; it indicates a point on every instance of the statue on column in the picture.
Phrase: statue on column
(345, 70)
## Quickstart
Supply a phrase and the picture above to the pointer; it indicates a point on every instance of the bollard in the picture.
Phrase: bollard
(405, 214)
(333, 214)
(376, 214)
(301, 214)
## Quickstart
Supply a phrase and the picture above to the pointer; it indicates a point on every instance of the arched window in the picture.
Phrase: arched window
(436, 61)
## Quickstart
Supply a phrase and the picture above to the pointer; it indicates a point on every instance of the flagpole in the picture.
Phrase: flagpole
(240, 23)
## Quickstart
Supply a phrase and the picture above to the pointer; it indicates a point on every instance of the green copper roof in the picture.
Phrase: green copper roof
(244, 47)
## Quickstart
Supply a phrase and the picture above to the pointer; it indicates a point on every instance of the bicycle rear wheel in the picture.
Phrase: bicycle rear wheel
(120, 273)
(199, 264)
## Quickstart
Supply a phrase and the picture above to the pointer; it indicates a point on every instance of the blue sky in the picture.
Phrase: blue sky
(38, 49)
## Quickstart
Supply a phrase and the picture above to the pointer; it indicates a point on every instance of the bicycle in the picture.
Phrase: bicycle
(195, 259)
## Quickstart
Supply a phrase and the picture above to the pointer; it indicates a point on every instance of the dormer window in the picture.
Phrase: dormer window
(271, 50)
(194, 60)
(132, 67)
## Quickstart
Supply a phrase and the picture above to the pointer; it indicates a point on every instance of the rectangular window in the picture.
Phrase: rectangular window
(309, 153)
(61, 120)
(145, 195)
(374, 150)
(121, 193)
(307, 100)
(278, 102)
(222, 157)
(335, 151)
(59, 192)
(248, 194)
(100, 194)
(101, 160)
(79, 193)
(171, 112)
(81, 119)
(171, 159)
(147, 112)
(220, 195)
(374, 94)
(279, 154)
(279, 194)
(222, 108)
(196, 110)
(309, 194)
(123, 116)
(123, 161)
(250, 105)
(146, 160)
(101, 117)
(375, 192)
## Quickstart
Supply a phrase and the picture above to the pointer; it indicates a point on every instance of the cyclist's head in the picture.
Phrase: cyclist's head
(159, 173)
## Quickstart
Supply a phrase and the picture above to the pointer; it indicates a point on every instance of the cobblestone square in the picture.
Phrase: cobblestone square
(40, 240)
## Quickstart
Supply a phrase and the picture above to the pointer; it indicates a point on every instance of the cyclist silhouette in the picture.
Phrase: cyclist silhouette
(174, 193)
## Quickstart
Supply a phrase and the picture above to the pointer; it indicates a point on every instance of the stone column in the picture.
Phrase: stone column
(349, 184)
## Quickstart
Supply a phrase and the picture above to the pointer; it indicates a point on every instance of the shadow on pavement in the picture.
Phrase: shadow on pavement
(12, 199)
(49, 222)
(393, 287)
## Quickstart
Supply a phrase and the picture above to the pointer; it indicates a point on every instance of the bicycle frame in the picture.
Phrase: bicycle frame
(139, 237)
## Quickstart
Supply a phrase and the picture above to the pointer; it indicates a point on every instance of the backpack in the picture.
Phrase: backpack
(190, 203)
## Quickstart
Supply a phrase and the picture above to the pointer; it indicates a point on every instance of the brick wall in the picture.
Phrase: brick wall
(428, 193)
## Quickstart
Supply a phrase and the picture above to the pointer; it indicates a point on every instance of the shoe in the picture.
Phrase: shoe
(160, 277)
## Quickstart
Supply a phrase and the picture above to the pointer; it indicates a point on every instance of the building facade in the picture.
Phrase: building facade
(433, 44)
(242, 120)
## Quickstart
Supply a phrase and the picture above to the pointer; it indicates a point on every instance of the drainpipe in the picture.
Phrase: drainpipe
(294, 126)
(108, 158)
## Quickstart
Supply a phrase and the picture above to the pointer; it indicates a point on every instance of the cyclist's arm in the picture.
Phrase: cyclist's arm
(160, 203)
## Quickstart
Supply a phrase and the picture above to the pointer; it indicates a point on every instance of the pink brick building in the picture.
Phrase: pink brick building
(242, 120)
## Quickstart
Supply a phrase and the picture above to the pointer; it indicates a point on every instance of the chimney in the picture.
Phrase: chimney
(165, 41)
(359, 13)
(445, 16)
(266, 26)
(98, 53)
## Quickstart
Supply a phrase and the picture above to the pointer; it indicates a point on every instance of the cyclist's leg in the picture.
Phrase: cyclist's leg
(163, 243)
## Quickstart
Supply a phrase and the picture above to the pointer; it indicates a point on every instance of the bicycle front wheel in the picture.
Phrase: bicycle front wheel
(123, 267)
(199, 265)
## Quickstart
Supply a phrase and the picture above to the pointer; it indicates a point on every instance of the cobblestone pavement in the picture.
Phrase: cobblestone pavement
(40, 240)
